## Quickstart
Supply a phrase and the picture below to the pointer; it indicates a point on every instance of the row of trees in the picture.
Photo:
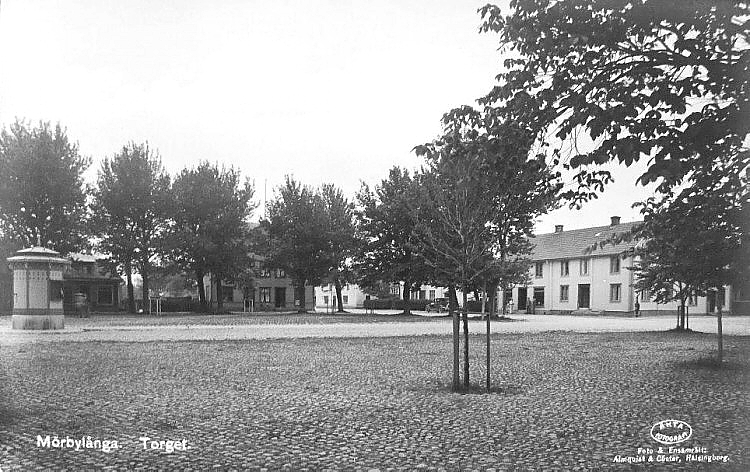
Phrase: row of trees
(136, 213)
(196, 223)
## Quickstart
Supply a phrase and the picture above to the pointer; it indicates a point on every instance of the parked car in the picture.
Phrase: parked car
(438, 305)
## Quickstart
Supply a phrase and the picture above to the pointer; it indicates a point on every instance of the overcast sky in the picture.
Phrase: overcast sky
(328, 91)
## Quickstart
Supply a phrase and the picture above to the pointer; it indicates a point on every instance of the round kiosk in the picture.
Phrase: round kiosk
(38, 288)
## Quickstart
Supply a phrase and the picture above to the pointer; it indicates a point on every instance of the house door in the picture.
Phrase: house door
(521, 299)
(584, 296)
(711, 300)
(279, 297)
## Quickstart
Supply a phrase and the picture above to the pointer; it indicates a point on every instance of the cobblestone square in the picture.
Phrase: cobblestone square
(564, 401)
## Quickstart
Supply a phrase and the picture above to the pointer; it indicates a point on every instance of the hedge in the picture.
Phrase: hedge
(395, 304)
(170, 304)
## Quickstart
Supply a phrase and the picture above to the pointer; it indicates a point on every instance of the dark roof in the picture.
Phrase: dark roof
(574, 243)
(79, 277)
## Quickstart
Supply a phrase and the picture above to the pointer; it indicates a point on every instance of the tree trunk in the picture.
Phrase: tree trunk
(493, 300)
(489, 315)
(456, 336)
(339, 297)
(302, 300)
(145, 287)
(406, 297)
(484, 298)
(720, 347)
(453, 297)
(682, 314)
(201, 290)
(131, 291)
(465, 314)
(219, 292)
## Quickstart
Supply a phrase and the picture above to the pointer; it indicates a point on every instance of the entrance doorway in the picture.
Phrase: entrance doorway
(584, 296)
(522, 297)
(279, 297)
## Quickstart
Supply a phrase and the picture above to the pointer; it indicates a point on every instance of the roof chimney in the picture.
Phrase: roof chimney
(558, 228)
(615, 221)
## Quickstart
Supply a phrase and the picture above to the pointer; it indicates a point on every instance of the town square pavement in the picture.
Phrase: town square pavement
(520, 323)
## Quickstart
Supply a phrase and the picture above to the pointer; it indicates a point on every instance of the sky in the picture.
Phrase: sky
(327, 91)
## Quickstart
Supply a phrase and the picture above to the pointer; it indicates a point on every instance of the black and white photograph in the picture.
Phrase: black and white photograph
(374, 236)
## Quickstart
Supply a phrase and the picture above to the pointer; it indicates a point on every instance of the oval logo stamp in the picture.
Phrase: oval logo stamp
(671, 432)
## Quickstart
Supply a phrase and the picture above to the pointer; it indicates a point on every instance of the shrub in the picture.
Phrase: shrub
(395, 304)
(177, 304)
(474, 306)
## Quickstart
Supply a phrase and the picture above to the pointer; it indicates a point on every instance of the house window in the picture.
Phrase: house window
(539, 269)
(265, 272)
(396, 290)
(325, 299)
(614, 265)
(104, 295)
(538, 296)
(615, 292)
(432, 294)
(563, 293)
(564, 268)
(645, 295)
(345, 299)
(584, 267)
(280, 273)
(422, 294)
(265, 295)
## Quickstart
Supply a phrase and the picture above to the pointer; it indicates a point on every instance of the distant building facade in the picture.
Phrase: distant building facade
(567, 277)
(352, 296)
(272, 291)
(99, 289)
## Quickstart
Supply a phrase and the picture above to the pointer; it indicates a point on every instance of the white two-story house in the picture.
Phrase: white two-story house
(567, 276)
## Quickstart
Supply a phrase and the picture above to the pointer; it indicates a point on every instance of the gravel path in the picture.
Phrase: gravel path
(311, 326)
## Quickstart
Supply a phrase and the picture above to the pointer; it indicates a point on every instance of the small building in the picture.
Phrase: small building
(86, 277)
(37, 288)
(272, 290)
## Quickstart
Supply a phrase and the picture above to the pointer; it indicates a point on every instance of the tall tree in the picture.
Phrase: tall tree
(210, 210)
(697, 243)
(479, 198)
(387, 227)
(342, 237)
(298, 239)
(130, 212)
(42, 192)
